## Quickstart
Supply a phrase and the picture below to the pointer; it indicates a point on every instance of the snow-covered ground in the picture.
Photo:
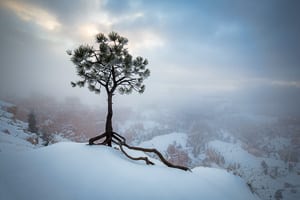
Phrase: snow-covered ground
(162, 142)
(269, 166)
(271, 180)
(266, 181)
(12, 135)
(78, 171)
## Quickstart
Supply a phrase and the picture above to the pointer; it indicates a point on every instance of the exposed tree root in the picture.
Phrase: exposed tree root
(121, 141)
(148, 162)
(99, 137)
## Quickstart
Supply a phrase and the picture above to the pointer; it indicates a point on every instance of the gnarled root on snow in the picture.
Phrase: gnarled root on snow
(121, 141)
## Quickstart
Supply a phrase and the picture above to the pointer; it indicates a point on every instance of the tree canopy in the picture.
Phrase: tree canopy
(109, 65)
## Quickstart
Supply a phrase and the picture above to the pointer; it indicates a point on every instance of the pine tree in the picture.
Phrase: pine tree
(110, 67)
(32, 123)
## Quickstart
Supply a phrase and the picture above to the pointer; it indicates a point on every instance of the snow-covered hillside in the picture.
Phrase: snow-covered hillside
(162, 142)
(12, 134)
(268, 176)
(271, 178)
(78, 171)
(262, 150)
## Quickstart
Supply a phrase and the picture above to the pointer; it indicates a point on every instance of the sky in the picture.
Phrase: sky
(247, 51)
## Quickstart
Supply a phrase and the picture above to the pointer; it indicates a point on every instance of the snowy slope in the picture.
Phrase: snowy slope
(78, 171)
(13, 143)
(274, 180)
(12, 134)
(223, 151)
(162, 142)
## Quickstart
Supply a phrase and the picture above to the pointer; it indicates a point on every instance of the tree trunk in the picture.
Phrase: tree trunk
(108, 125)
(112, 137)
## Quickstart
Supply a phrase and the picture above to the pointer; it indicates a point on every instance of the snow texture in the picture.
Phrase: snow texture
(78, 171)
(12, 135)
(278, 177)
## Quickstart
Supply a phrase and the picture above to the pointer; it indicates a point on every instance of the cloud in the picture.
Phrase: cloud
(143, 40)
(32, 13)
(295, 84)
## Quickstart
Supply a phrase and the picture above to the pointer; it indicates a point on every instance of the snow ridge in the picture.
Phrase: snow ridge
(78, 171)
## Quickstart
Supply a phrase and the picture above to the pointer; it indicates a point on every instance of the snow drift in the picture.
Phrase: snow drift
(78, 171)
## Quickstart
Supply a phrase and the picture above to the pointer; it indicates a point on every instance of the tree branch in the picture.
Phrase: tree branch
(127, 81)
(98, 61)
(99, 81)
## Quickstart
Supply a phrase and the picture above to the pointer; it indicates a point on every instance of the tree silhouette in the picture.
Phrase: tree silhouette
(108, 66)
(32, 123)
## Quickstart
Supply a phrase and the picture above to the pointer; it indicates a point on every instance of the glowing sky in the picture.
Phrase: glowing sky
(195, 48)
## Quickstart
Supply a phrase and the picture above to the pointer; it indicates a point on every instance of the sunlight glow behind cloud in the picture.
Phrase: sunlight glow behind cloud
(88, 30)
(31, 13)
(102, 21)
